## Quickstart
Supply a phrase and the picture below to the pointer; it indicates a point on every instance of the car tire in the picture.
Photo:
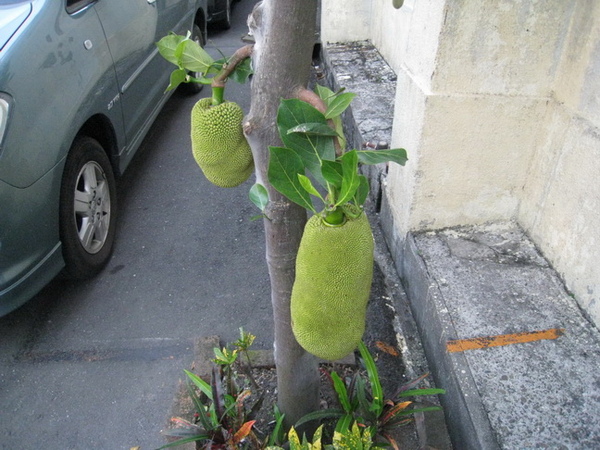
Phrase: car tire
(195, 88)
(88, 209)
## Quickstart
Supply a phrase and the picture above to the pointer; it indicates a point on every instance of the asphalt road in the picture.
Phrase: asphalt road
(95, 364)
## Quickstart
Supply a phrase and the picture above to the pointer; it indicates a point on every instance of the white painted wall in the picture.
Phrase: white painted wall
(343, 21)
(560, 206)
(498, 105)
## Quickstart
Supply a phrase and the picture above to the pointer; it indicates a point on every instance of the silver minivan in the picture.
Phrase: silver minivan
(81, 82)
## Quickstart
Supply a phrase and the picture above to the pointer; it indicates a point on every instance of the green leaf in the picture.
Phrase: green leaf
(177, 77)
(332, 172)
(278, 433)
(259, 196)
(225, 356)
(350, 180)
(325, 94)
(416, 392)
(342, 392)
(194, 58)
(217, 65)
(294, 440)
(339, 128)
(376, 390)
(352, 439)
(316, 440)
(320, 414)
(339, 104)
(242, 71)
(362, 192)
(167, 47)
(343, 424)
(361, 396)
(397, 155)
(308, 186)
(329, 98)
(284, 167)
(200, 383)
(315, 129)
(184, 441)
(184, 53)
(311, 148)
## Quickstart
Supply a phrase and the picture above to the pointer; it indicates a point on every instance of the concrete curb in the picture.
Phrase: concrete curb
(466, 416)
(488, 282)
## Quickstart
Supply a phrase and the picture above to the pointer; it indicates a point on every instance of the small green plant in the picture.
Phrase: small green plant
(224, 412)
(355, 438)
(369, 407)
(226, 409)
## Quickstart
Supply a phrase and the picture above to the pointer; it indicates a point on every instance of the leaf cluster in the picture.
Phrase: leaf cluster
(224, 417)
(308, 165)
(355, 438)
(190, 58)
(368, 407)
(225, 409)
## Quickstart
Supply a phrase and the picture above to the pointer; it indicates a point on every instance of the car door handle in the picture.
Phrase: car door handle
(152, 2)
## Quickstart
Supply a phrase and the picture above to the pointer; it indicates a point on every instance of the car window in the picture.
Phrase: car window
(76, 5)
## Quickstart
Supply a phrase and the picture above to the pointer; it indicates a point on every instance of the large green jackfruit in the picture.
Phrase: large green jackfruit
(334, 270)
(218, 143)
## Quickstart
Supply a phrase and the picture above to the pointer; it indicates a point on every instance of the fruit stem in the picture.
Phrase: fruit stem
(218, 95)
(335, 217)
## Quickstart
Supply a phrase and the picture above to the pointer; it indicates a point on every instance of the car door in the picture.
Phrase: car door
(132, 28)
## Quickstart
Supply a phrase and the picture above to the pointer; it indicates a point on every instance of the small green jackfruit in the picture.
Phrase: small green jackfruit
(218, 143)
(334, 271)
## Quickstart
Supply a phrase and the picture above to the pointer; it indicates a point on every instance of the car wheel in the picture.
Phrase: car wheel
(88, 209)
(195, 88)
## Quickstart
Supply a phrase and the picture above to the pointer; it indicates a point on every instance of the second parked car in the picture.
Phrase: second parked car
(219, 12)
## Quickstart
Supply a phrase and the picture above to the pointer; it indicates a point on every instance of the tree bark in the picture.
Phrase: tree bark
(284, 32)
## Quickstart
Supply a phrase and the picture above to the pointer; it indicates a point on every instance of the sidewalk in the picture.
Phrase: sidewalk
(490, 282)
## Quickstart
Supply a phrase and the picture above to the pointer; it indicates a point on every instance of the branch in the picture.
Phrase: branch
(310, 97)
(239, 55)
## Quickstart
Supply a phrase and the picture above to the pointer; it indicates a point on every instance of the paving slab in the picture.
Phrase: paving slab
(490, 282)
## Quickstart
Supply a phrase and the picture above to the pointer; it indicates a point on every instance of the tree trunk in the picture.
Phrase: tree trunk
(284, 31)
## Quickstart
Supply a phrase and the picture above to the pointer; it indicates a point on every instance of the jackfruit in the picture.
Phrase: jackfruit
(334, 271)
(218, 143)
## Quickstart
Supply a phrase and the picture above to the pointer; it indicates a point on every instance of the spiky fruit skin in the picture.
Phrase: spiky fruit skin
(334, 271)
(218, 143)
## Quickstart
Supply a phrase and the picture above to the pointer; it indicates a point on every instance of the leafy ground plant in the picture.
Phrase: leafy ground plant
(369, 408)
(226, 409)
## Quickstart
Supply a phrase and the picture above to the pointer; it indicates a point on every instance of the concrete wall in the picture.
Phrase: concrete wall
(498, 105)
(560, 205)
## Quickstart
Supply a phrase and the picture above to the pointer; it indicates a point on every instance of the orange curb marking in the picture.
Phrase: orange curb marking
(459, 345)
(390, 350)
